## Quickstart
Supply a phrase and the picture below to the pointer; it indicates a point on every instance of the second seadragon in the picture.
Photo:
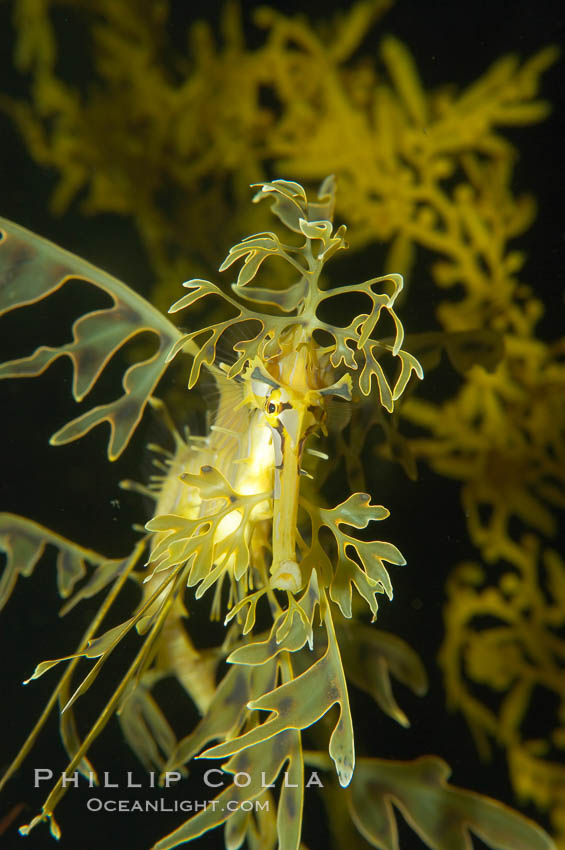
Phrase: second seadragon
(241, 525)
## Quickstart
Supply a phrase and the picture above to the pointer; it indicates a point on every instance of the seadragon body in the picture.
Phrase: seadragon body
(232, 521)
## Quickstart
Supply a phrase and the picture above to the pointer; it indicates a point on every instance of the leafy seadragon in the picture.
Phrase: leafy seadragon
(233, 514)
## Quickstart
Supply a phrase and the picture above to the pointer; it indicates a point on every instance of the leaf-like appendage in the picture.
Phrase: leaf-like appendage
(441, 815)
(227, 711)
(299, 703)
(372, 576)
(32, 268)
(370, 656)
(23, 542)
(291, 630)
(353, 345)
(144, 725)
(254, 250)
(263, 763)
(357, 336)
(269, 330)
(258, 828)
(291, 204)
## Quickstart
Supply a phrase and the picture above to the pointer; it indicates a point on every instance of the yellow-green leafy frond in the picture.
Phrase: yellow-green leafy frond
(353, 345)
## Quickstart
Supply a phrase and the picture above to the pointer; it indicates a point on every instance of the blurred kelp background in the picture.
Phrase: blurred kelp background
(131, 131)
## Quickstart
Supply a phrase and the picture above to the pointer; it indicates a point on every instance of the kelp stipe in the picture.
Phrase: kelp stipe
(232, 514)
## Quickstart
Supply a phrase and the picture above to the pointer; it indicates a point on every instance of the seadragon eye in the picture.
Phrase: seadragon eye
(274, 404)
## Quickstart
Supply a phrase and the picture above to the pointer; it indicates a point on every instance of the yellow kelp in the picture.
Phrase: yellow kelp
(168, 136)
